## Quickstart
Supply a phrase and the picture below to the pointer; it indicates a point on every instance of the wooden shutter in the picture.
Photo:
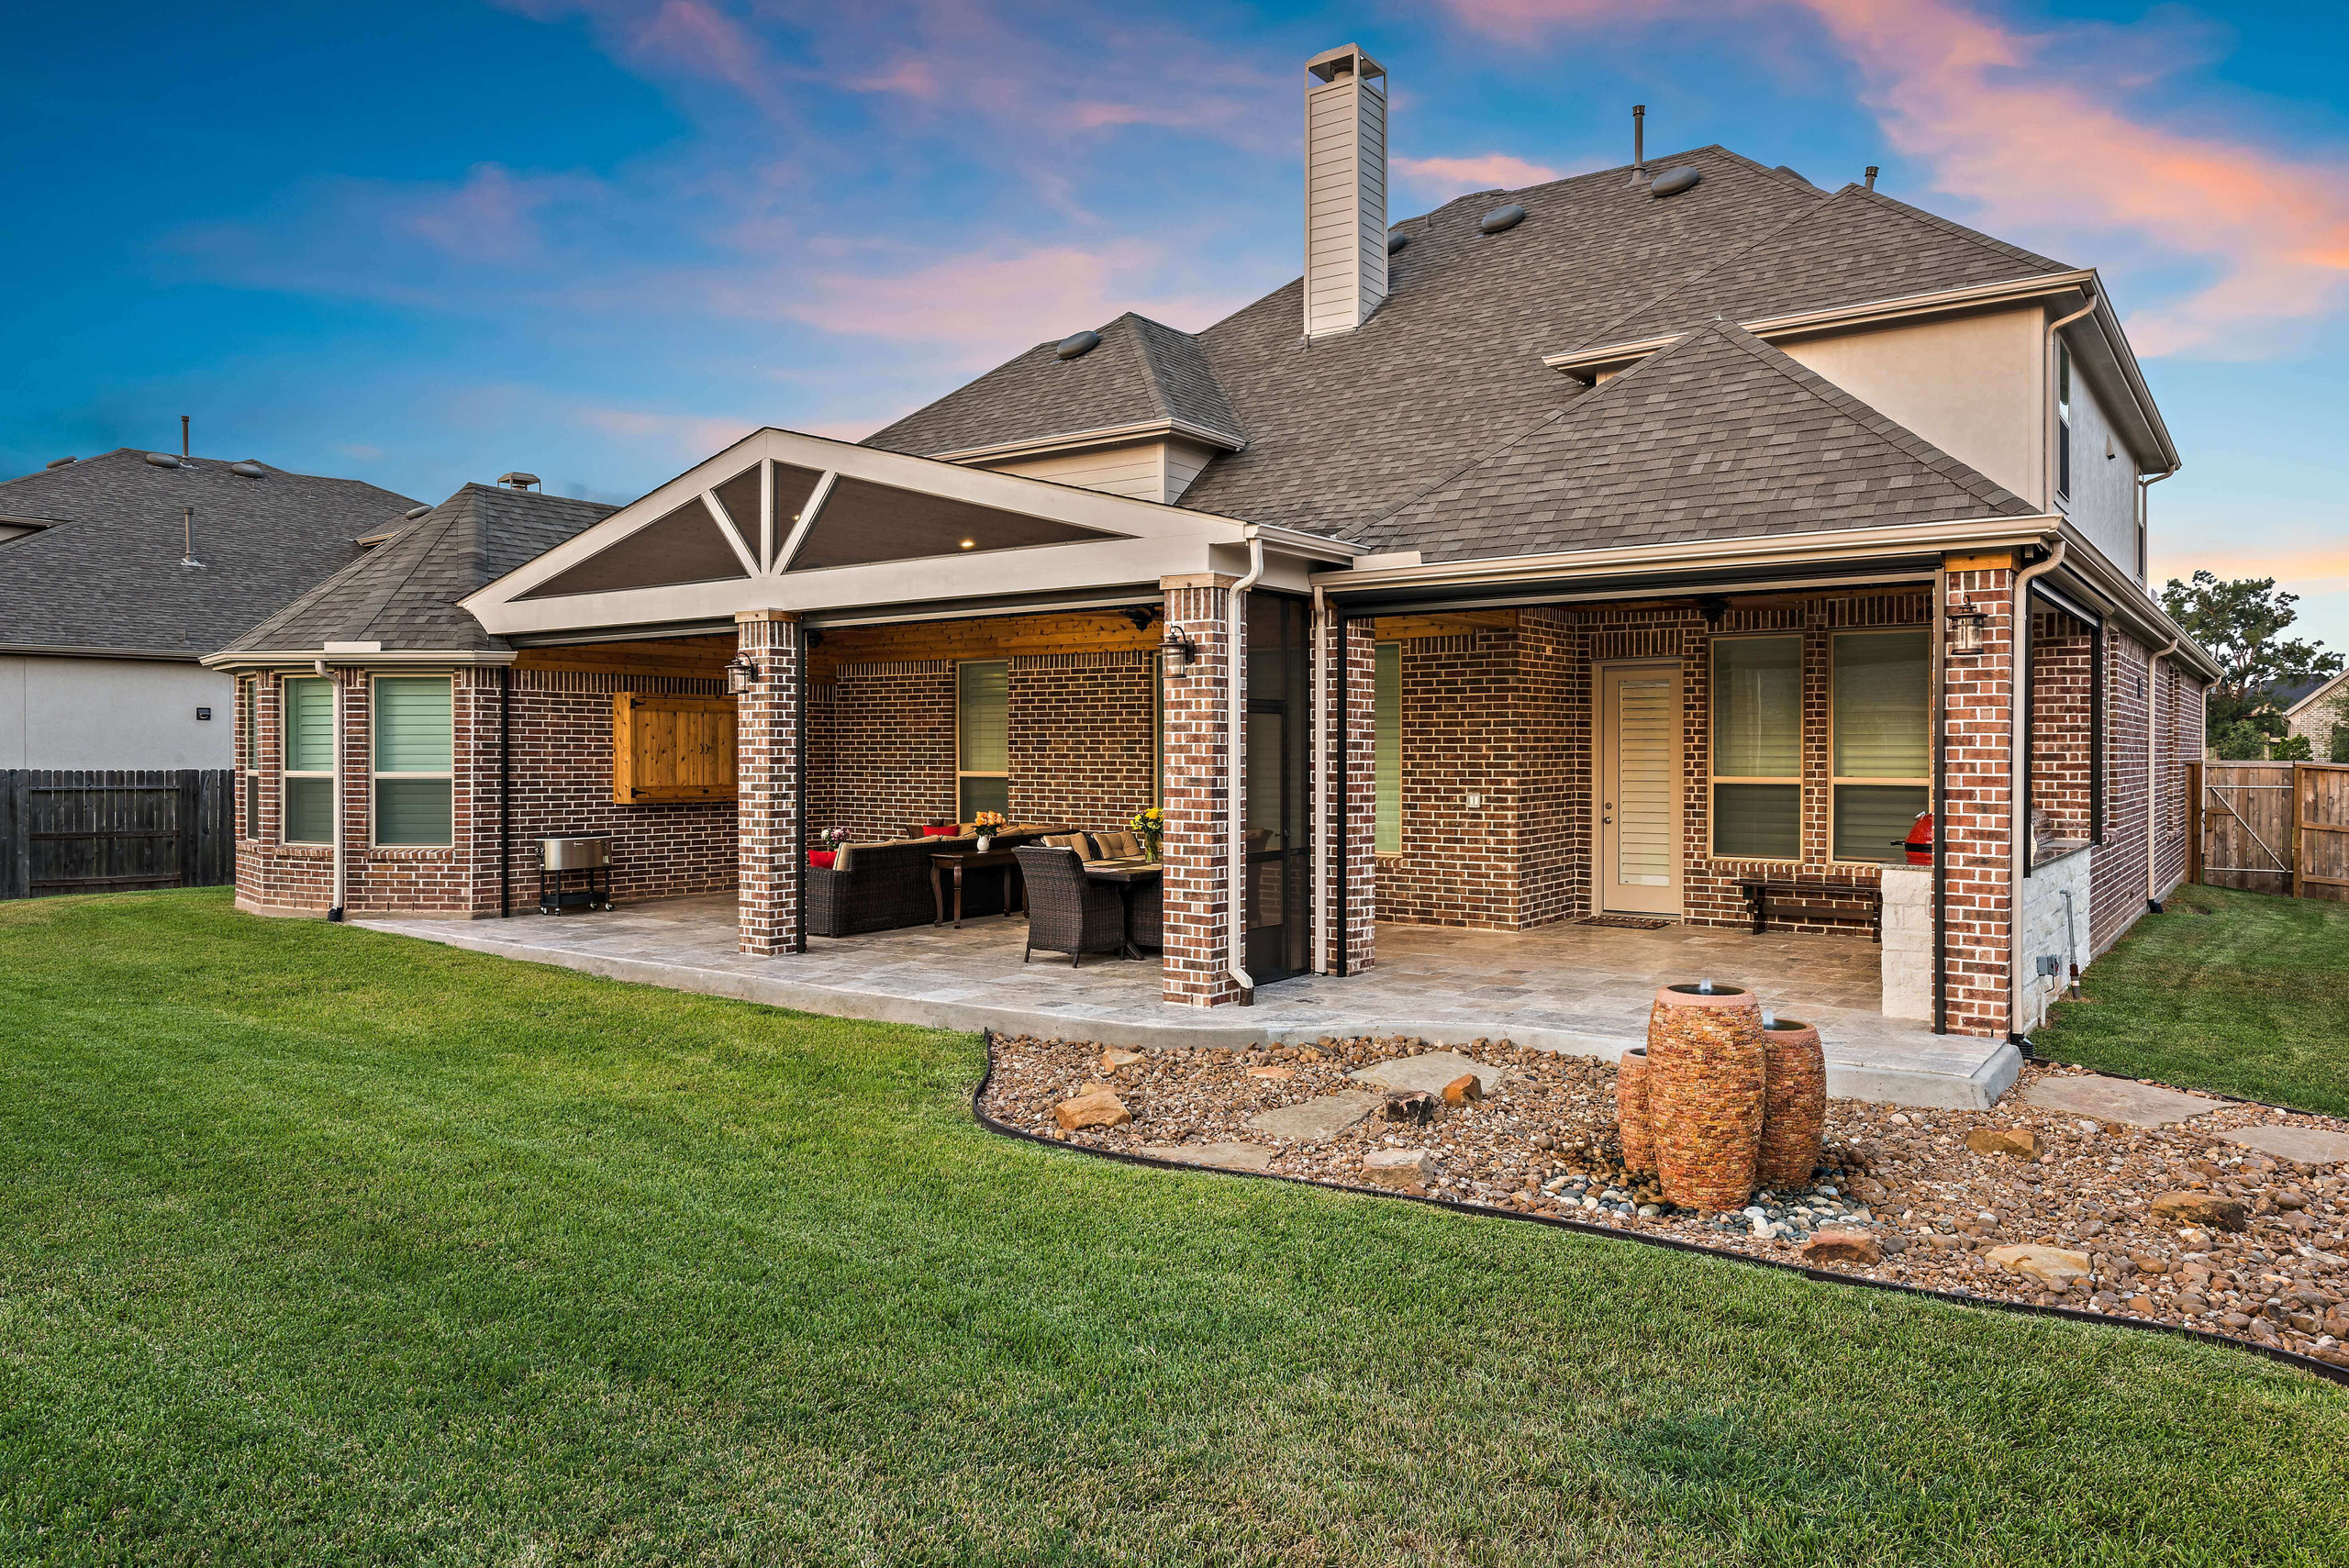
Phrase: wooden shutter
(667, 748)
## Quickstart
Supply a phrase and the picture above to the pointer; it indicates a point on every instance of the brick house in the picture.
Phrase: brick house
(1561, 553)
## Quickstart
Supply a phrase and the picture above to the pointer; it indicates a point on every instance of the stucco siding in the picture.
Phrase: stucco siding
(2102, 503)
(1973, 386)
(112, 713)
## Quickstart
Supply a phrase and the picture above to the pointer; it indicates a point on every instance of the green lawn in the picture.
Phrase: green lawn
(2240, 993)
(324, 1247)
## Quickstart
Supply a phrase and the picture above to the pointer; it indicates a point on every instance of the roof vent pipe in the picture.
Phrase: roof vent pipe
(187, 537)
(184, 449)
(1639, 142)
(1345, 190)
(1872, 174)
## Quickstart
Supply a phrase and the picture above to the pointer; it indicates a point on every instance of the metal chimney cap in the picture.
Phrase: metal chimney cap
(1344, 60)
(517, 480)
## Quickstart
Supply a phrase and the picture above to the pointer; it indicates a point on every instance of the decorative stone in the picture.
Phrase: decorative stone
(1462, 1089)
(1840, 1247)
(1114, 1057)
(1314, 1119)
(1632, 1125)
(2300, 1145)
(1099, 1108)
(2211, 1209)
(2054, 1266)
(1404, 1170)
(1277, 1074)
(2116, 1099)
(2014, 1142)
(1414, 1106)
(1431, 1070)
(1218, 1156)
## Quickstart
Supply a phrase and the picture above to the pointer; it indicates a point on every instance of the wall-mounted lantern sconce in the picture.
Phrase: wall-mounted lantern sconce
(1180, 651)
(1140, 616)
(1712, 608)
(1965, 628)
(742, 674)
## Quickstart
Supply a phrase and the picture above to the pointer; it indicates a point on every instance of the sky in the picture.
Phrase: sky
(598, 239)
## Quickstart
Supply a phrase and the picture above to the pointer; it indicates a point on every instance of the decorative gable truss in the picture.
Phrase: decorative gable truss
(790, 522)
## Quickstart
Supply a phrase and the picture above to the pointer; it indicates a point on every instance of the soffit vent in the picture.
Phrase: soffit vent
(1672, 181)
(1501, 219)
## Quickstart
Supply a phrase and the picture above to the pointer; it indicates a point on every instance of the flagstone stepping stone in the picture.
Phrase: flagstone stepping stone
(1220, 1156)
(2300, 1145)
(1313, 1121)
(2116, 1099)
(1432, 1071)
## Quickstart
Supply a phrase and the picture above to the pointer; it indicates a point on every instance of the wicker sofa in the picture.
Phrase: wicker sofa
(881, 887)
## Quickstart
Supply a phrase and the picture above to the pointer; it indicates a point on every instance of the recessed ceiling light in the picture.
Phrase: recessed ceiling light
(970, 544)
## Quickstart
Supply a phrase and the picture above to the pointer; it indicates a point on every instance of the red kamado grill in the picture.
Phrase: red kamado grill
(1919, 841)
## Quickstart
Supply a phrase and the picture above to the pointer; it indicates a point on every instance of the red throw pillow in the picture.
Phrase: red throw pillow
(942, 830)
(822, 859)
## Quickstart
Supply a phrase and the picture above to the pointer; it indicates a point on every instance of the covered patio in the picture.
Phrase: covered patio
(1577, 989)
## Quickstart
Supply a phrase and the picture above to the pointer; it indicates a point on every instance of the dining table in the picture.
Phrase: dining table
(1125, 873)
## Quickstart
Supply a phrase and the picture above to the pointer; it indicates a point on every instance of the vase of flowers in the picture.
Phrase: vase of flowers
(988, 823)
(1149, 824)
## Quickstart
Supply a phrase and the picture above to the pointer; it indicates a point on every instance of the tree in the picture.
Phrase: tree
(2242, 741)
(2240, 622)
(2291, 748)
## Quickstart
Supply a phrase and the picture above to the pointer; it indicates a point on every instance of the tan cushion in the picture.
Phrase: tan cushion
(1077, 841)
(1120, 845)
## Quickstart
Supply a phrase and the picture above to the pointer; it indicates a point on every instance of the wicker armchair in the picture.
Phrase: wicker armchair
(1067, 912)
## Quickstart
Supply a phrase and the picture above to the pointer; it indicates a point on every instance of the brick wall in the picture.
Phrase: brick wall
(2063, 658)
(1977, 805)
(770, 863)
(1082, 741)
(1193, 971)
(2117, 890)
(881, 756)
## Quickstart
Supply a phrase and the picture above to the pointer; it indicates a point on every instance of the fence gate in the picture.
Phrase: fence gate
(2271, 827)
(96, 830)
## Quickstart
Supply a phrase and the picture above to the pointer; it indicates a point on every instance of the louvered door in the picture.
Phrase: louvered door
(1639, 789)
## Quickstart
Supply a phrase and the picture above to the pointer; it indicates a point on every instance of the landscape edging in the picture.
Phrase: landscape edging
(2324, 1370)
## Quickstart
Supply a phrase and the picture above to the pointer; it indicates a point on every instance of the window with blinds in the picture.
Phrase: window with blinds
(1388, 703)
(1880, 686)
(1757, 748)
(308, 710)
(248, 750)
(415, 740)
(982, 737)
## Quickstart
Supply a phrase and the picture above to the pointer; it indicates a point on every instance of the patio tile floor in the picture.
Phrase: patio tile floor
(1581, 989)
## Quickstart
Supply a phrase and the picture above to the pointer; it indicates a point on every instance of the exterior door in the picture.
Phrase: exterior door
(1639, 789)
(1276, 817)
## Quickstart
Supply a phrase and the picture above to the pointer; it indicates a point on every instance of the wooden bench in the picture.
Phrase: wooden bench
(1806, 899)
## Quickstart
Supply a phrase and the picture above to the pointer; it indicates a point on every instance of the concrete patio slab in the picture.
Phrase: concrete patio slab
(1430, 1071)
(2300, 1145)
(2118, 1099)
(1218, 1156)
(1313, 1121)
(1577, 990)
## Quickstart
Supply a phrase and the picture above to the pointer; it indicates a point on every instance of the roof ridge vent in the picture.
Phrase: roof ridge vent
(517, 480)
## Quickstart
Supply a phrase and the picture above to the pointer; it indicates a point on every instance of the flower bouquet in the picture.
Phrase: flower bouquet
(1150, 825)
(988, 823)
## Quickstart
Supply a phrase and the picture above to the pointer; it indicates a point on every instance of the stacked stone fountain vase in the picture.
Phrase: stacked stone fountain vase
(1707, 1085)
(1793, 1105)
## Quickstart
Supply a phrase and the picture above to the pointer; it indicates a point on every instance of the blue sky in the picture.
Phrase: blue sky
(598, 238)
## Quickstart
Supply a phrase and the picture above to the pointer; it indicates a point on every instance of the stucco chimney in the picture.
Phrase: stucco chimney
(1345, 190)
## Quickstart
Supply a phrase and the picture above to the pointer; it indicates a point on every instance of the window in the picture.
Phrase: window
(982, 737)
(309, 760)
(414, 740)
(1883, 747)
(248, 751)
(1757, 748)
(2062, 421)
(1388, 675)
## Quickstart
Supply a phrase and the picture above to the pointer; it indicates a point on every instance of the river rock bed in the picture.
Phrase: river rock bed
(2048, 1207)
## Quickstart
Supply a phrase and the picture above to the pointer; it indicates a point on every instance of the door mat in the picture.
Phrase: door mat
(1626, 922)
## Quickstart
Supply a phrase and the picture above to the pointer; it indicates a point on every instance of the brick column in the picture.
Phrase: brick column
(1354, 660)
(1194, 970)
(766, 750)
(1977, 807)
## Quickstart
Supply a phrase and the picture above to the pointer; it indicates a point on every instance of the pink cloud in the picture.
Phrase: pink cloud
(2013, 122)
(1484, 172)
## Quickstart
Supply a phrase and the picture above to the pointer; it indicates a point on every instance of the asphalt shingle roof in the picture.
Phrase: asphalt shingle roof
(1719, 436)
(404, 593)
(1343, 431)
(1142, 370)
(107, 577)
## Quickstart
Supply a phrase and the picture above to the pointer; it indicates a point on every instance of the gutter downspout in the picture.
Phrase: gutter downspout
(1235, 793)
(334, 910)
(1321, 780)
(2153, 700)
(2019, 782)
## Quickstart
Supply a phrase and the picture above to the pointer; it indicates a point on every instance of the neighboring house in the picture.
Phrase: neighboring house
(1591, 547)
(102, 618)
(2312, 708)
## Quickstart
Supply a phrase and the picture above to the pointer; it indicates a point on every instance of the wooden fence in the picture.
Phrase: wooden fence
(87, 830)
(2270, 827)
